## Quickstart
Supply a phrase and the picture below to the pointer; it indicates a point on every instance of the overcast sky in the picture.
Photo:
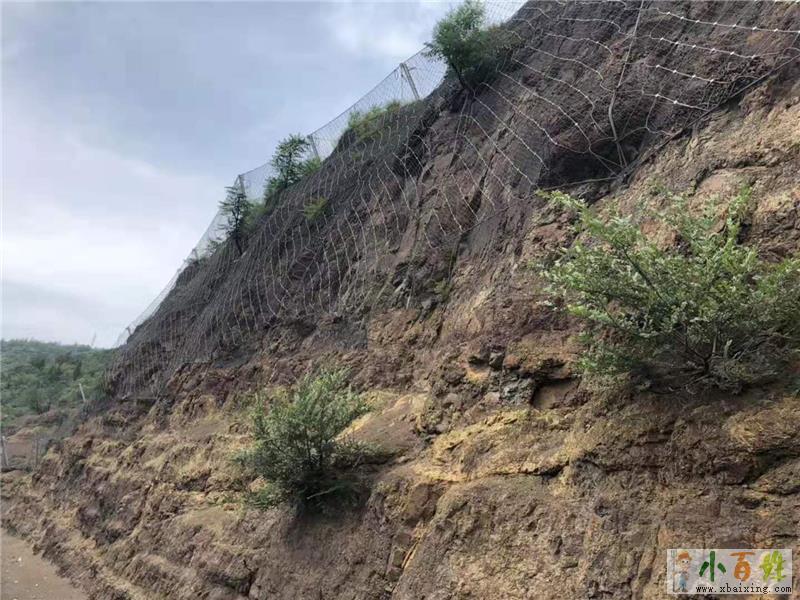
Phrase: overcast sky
(123, 123)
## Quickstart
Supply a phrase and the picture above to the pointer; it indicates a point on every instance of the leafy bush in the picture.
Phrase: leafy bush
(366, 124)
(315, 209)
(473, 52)
(299, 447)
(705, 312)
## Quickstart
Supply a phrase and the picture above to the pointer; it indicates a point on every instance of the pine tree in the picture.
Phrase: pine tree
(289, 164)
(236, 208)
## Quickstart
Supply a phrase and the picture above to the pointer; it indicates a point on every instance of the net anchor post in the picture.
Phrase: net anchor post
(407, 74)
(314, 147)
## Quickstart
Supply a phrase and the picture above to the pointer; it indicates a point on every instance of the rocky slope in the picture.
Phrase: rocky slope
(510, 477)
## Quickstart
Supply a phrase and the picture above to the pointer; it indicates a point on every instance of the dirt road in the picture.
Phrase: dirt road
(24, 576)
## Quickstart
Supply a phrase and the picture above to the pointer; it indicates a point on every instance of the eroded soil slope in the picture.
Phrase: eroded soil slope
(510, 478)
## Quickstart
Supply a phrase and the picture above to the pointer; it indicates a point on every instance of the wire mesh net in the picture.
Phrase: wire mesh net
(587, 91)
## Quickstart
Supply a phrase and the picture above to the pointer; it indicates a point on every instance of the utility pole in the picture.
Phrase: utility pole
(80, 387)
(407, 74)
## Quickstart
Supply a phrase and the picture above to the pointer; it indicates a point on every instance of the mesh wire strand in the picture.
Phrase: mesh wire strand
(589, 89)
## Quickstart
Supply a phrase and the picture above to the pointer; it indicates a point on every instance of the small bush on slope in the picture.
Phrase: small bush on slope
(315, 209)
(473, 52)
(366, 124)
(299, 448)
(705, 313)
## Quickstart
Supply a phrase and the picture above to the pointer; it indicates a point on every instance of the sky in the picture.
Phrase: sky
(124, 122)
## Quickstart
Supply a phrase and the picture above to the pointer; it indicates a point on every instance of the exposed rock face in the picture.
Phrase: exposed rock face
(511, 478)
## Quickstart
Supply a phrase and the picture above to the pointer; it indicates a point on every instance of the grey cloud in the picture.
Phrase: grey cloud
(124, 122)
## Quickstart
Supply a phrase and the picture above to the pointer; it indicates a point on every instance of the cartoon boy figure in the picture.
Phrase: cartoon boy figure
(684, 561)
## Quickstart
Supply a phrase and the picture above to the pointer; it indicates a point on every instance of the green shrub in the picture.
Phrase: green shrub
(299, 448)
(366, 124)
(473, 52)
(315, 209)
(706, 312)
(442, 289)
(309, 166)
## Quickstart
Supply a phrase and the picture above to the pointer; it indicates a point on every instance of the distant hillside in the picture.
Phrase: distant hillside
(38, 376)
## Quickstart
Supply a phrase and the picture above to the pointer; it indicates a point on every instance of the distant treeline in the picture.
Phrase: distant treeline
(38, 376)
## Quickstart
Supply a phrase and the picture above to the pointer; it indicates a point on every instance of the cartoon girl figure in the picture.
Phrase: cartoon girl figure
(684, 561)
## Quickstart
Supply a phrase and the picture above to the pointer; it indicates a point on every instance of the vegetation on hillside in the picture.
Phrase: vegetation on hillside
(472, 51)
(39, 376)
(365, 124)
(706, 311)
(237, 210)
(300, 450)
(315, 209)
(291, 163)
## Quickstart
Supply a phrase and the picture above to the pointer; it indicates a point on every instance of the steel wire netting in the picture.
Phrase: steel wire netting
(587, 89)
(415, 78)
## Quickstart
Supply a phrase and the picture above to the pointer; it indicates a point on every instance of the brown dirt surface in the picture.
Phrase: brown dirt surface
(26, 576)
(506, 476)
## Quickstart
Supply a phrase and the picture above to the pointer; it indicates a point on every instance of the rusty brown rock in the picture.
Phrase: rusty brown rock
(575, 487)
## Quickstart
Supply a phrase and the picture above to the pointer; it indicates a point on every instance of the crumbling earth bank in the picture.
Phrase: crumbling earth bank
(509, 478)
